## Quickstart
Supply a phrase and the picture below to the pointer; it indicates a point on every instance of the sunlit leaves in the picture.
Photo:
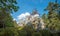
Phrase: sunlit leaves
(52, 22)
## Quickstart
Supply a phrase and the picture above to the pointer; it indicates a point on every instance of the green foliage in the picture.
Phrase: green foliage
(28, 32)
(36, 34)
(6, 8)
(2, 31)
(22, 33)
(52, 21)
(8, 5)
(10, 31)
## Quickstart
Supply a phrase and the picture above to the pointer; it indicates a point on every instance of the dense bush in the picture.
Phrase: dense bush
(9, 32)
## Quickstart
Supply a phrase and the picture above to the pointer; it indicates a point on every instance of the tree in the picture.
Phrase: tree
(6, 8)
(6, 21)
(8, 5)
(53, 21)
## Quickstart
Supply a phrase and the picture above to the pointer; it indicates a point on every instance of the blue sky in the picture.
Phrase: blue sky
(29, 5)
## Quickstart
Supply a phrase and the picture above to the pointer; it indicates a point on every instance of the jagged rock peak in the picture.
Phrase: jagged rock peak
(34, 12)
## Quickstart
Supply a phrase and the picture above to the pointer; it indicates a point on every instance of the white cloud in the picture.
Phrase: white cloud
(23, 15)
(27, 14)
(36, 15)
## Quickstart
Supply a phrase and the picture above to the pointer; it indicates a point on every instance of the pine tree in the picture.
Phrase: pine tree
(53, 21)
(6, 8)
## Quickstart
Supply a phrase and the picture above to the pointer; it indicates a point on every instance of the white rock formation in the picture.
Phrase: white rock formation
(35, 19)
